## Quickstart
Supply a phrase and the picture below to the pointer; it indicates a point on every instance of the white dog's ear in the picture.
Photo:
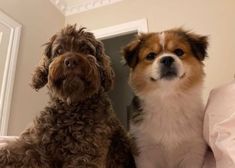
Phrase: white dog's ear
(131, 51)
(198, 45)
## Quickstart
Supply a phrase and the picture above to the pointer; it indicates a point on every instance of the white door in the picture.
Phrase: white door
(4, 43)
(9, 43)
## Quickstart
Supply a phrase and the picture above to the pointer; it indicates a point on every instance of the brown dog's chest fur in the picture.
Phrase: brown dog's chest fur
(64, 132)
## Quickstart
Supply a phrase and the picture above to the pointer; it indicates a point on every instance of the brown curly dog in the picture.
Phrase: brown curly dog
(78, 128)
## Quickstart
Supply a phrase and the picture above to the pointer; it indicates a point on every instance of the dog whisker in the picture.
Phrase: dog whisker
(182, 76)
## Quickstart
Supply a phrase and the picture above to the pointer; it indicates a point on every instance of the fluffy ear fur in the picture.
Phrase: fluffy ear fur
(198, 44)
(107, 73)
(40, 74)
(130, 52)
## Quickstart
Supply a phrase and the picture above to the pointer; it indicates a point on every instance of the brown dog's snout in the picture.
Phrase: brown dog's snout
(70, 62)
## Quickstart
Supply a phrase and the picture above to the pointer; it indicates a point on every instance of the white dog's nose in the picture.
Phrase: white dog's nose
(167, 61)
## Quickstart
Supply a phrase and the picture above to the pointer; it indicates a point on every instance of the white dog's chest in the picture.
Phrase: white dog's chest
(166, 128)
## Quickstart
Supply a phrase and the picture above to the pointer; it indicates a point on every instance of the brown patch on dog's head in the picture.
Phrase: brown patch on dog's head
(74, 66)
(172, 56)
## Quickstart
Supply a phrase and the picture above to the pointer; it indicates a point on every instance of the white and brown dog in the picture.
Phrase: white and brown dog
(166, 74)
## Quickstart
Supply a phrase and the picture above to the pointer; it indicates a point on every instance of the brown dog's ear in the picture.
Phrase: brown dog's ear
(40, 74)
(131, 50)
(198, 44)
(107, 73)
(48, 48)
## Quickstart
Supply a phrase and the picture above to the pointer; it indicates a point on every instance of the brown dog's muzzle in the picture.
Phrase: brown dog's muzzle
(72, 73)
(67, 65)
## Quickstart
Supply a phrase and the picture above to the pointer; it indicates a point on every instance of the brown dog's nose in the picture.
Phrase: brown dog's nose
(70, 62)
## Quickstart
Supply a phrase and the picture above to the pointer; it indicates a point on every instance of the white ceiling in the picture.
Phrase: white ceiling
(69, 7)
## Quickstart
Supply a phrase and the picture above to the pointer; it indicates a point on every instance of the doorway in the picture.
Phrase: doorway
(114, 39)
(121, 95)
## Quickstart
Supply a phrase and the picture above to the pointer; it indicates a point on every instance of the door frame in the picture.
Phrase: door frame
(9, 70)
(122, 29)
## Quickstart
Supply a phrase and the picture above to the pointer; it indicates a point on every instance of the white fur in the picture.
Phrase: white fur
(170, 135)
(162, 39)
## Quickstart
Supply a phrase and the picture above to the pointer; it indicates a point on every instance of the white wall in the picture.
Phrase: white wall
(39, 19)
(215, 18)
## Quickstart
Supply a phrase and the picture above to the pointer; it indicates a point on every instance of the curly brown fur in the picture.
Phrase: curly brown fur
(78, 128)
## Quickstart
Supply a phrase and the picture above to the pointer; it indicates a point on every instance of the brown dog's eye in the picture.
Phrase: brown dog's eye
(151, 56)
(59, 51)
(179, 52)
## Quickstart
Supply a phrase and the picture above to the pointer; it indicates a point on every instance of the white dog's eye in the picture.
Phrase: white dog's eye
(151, 56)
(179, 52)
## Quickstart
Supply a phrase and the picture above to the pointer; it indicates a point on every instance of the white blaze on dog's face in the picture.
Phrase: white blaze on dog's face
(167, 60)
